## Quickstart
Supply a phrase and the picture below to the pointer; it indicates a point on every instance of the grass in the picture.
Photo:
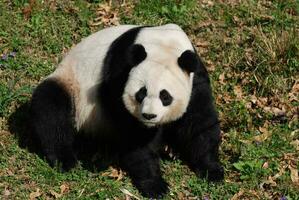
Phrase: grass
(251, 49)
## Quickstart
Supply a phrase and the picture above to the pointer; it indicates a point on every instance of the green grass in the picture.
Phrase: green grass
(252, 45)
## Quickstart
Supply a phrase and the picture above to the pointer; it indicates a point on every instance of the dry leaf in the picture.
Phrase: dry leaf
(266, 165)
(6, 192)
(278, 112)
(295, 88)
(253, 99)
(238, 91)
(262, 137)
(27, 10)
(207, 3)
(34, 195)
(295, 143)
(269, 182)
(238, 195)
(55, 194)
(202, 43)
(204, 24)
(210, 65)
(126, 192)
(294, 175)
(281, 172)
(114, 173)
(245, 141)
(221, 78)
(64, 188)
(106, 15)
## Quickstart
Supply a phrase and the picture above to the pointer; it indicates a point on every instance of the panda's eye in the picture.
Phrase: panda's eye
(165, 97)
(139, 96)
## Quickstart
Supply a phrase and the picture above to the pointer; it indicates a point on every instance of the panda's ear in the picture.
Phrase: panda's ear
(136, 54)
(189, 61)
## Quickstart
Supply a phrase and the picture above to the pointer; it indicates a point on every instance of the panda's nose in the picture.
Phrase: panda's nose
(148, 116)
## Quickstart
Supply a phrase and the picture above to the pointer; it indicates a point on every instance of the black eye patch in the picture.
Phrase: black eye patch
(139, 96)
(165, 97)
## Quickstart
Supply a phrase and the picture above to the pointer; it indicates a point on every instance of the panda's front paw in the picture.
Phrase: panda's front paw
(152, 188)
(216, 174)
(69, 163)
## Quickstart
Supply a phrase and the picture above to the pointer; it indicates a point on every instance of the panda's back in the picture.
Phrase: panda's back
(80, 72)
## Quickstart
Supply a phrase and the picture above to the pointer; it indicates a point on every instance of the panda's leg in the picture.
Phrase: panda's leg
(200, 150)
(204, 159)
(51, 116)
(143, 166)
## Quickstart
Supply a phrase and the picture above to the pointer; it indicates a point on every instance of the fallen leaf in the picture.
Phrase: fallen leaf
(295, 88)
(106, 15)
(294, 175)
(269, 182)
(126, 192)
(221, 78)
(34, 195)
(266, 165)
(114, 173)
(278, 112)
(238, 195)
(262, 137)
(281, 172)
(295, 143)
(238, 91)
(210, 65)
(64, 188)
(202, 43)
(6, 192)
(27, 10)
(207, 3)
(55, 194)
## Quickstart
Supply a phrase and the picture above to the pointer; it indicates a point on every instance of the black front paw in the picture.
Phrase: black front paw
(68, 163)
(216, 174)
(152, 188)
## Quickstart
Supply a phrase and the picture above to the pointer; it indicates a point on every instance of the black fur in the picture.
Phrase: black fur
(51, 116)
(135, 54)
(133, 142)
(190, 62)
(195, 137)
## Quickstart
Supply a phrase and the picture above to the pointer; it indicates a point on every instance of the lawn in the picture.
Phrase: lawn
(251, 50)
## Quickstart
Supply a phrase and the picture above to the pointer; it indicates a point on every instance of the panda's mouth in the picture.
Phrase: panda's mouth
(149, 123)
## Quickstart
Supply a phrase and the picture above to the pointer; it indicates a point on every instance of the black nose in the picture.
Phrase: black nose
(148, 116)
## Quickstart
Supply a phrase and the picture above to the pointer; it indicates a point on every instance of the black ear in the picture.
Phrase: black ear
(189, 61)
(136, 54)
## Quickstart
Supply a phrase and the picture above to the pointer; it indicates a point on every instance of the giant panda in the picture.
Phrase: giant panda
(136, 88)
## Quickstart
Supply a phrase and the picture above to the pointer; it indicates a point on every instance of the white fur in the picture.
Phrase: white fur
(163, 44)
(160, 70)
(156, 77)
(86, 61)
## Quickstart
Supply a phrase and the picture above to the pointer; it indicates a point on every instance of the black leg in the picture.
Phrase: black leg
(144, 169)
(51, 121)
(200, 150)
(206, 163)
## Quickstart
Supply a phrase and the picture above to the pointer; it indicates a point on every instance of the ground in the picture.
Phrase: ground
(251, 49)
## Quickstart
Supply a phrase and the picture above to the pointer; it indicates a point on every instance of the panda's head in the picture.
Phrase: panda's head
(158, 91)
